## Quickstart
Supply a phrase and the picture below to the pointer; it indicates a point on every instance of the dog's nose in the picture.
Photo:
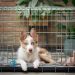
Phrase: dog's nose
(30, 50)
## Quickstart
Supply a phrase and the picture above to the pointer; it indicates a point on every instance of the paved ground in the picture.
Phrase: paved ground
(7, 73)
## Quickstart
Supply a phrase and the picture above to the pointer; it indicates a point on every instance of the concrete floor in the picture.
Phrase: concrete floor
(11, 73)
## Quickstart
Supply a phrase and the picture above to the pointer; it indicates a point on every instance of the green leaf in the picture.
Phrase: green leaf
(72, 29)
(19, 9)
(65, 1)
(50, 2)
(45, 12)
(35, 18)
(73, 2)
(23, 2)
(32, 3)
(26, 13)
(72, 32)
(34, 12)
(61, 26)
(57, 4)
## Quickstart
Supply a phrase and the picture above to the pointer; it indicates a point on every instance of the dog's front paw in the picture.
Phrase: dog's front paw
(24, 66)
(36, 64)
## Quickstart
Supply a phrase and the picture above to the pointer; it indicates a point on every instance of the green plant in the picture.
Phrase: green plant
(48, 2)
(69, 28)
(73, 2)
(65, 1)
(26, 12)
(23, 2)
(34, 3)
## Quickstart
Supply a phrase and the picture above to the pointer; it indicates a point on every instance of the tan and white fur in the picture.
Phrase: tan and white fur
(44, 55)
(28, 51)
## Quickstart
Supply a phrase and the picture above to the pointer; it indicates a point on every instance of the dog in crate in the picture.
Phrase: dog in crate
(30, 52)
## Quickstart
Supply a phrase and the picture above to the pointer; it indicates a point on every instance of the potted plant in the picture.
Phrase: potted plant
(69, 42)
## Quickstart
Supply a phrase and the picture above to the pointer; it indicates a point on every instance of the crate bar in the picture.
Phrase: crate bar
(40, 69)
(49, 44)
(39, 8)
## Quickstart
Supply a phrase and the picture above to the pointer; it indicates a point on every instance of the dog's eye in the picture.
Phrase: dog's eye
(32, 43)
(35, 41)
(26, 43)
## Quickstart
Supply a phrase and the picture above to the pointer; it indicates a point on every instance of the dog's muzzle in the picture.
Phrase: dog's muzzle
(30, 50)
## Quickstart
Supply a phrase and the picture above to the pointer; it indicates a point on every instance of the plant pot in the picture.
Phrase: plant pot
(69, 46)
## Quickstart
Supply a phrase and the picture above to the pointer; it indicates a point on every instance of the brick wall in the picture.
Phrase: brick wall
(8, 2)
(10, 27)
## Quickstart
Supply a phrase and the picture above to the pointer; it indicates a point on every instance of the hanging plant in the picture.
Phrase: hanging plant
(65, 1)
(26, 12)
(31, 4)
(73, 2)
(23, 2)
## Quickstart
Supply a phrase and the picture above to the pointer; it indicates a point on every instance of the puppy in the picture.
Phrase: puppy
(28, 51)
(44, 55)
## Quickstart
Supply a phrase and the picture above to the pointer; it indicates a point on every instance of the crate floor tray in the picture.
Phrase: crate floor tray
(42, 68)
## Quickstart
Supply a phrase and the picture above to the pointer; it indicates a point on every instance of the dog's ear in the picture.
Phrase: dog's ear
(34, 34)
(23, 35)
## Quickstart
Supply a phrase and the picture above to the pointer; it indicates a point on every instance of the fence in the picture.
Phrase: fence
(54, 25)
